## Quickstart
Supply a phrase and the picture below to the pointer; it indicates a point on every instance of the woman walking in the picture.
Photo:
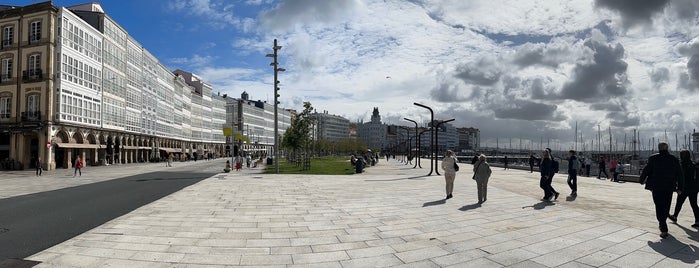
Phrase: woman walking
(690, 189)
(448, 164)
(481, 173)
(78, 167)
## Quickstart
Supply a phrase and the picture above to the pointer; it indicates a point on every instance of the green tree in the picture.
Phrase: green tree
(297, 139)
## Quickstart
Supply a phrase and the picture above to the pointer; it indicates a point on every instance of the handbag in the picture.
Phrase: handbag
(456, 167)
(476, 170)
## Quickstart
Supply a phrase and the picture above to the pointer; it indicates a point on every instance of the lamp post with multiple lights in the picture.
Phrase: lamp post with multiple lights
(275, 64)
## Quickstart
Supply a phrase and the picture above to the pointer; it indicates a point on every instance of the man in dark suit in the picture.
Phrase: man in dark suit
(662, 175)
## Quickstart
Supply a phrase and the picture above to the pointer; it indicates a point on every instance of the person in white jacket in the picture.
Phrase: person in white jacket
(449, 171)
(481, 173)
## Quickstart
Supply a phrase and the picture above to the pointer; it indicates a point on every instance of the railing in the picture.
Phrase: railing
(34, 74)
(5, 77)
(7, 43)
(34, 38)
(31, 116)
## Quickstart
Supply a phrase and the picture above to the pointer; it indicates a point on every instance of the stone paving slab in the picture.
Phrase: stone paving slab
(390, 216)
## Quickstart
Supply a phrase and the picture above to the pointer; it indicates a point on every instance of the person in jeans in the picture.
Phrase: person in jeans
(78, 167)
(602, 168)
(37, 165)
(481, 173)
(573, 166)
(690, 189)
(449, 172)
(546, 170)
(662, 176)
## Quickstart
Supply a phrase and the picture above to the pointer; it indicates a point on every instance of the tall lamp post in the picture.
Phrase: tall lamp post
(417, 160)
(436, 137)
(275, 65)
(433, 157)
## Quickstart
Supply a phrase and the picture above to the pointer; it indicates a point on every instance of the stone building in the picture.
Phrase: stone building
(74, 83)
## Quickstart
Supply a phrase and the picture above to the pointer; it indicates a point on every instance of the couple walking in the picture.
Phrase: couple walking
(481, 174)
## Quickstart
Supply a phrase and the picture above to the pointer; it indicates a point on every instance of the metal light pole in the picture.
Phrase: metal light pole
(432, 154)
(417, 159)
(436, 139)
(275, 64)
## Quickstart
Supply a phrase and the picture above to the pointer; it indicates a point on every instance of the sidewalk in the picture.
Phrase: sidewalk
(21, 182)
(389, 216)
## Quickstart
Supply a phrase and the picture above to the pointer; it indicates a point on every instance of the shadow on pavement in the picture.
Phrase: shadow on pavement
(409, 178)
(540, 205)
(434, 203)
(693, 233)
(677, 250)
(470, 207)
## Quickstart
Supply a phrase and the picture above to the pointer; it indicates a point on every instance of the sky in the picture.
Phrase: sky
(525, 70)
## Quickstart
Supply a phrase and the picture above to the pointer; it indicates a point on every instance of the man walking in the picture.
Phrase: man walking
(602, 168)
(588, 164)
(662, 176)
(573, 166)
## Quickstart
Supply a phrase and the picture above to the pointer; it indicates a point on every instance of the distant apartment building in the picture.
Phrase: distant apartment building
(74, 83)
(330, 127)
(373, 133)
(446, 139)
(469, 139)
(253, 124)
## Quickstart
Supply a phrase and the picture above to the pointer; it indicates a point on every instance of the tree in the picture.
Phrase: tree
(297, 137)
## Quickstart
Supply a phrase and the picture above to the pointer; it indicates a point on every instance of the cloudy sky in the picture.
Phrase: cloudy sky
(514, 69)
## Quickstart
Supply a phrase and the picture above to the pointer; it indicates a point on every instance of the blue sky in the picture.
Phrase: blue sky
(515, 69)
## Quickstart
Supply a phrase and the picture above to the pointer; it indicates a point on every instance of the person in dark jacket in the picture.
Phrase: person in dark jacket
(662, 176)
(546, 169)
(690, 188)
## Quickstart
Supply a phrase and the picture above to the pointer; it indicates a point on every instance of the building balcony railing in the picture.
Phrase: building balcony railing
(34, 74)
(31, 116)
(6, 43)
(34, 38)
(4, 118)
(5, 78)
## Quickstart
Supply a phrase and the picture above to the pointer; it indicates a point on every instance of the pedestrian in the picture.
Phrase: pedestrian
(662, 176)
(238, 163)
(690, 189)
(505, 159)
(37, 165)
(78, 167)
(248, 160)
(602, 168)
(474, 160)
(588, 164)
(612, 169)
(448, 163)
(619, 170)
(170, 157)
(546, 170)
(573, 166)
(481, 173)
(532, 161)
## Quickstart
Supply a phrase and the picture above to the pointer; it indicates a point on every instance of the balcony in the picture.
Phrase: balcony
(7, 43)
(31, 116)
(32, 75)
(4, 78)
(34, 38)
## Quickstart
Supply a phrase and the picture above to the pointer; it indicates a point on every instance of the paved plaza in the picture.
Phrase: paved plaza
(392, 215)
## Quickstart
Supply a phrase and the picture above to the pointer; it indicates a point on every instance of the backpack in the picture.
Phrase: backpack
(554, 166)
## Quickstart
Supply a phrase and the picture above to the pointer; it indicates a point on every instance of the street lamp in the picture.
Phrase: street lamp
(417, 160)
(275, 64)
(432, 154)
(436, 136)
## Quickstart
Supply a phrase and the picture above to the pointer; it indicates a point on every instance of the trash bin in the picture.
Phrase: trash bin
(269, 161)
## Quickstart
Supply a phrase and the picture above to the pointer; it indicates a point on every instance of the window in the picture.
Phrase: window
(33, 106)
(34, 66)
(35, 32)
(6, 71)
(7, 36)
(5, 107)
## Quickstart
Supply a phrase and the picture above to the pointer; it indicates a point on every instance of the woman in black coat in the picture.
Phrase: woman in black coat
(690, 189)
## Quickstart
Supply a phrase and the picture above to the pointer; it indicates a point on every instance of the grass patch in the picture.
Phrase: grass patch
(327, 165)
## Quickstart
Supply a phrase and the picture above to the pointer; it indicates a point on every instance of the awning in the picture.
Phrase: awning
(77, 145)
(171, 150)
